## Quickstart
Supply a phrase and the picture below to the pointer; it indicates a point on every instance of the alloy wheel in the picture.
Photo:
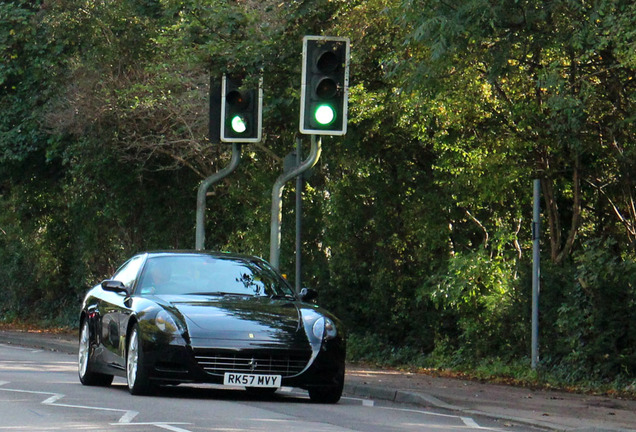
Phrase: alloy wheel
(132, 360)
(84, 350)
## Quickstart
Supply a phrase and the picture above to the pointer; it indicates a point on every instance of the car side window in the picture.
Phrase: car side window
(129, 271)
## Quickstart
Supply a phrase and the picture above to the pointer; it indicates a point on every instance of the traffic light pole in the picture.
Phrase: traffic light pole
(536, 271)
(277, 199)
(203, 190)
(299, 218)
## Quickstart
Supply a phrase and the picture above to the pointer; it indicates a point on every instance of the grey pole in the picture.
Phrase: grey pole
(536, 271)
(203, 190)
(277, 199)
(299, 218)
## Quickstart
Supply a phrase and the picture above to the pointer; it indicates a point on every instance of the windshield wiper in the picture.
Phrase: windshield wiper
(218, 294)
(282, 296)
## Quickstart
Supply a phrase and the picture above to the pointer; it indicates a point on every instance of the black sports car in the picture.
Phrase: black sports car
(185, 317)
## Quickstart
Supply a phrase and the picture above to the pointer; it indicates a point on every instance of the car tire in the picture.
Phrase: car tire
(327, 395)
(136, 373)
(86, 375)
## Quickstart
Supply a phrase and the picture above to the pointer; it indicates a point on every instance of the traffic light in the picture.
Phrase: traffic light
(325, 85)
(241, 111)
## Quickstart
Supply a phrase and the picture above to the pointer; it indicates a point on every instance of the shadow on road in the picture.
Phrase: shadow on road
(212, 392)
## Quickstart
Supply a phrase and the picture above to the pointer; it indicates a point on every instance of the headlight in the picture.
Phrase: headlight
(165, 322)
(324, 328)
(330, 329)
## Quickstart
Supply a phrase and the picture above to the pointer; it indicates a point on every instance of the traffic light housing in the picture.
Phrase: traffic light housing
(325, 85)
(241, 111)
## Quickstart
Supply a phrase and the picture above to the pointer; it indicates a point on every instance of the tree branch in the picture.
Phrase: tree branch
(576, 212)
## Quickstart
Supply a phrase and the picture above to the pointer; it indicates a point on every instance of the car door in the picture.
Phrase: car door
(114, 310)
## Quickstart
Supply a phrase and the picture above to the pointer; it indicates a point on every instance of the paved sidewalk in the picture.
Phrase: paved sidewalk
(542, 408)
(554, 410)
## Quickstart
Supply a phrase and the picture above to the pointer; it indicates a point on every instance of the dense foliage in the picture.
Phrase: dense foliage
(416, 223)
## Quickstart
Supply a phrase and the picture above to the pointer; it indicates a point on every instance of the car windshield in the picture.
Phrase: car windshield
(210, 275)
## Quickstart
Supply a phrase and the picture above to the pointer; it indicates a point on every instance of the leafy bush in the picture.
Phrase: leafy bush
(482, 295)
(596, 322)
(368, 348)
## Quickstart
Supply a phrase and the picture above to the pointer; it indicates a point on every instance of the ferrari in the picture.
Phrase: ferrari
(168, 318)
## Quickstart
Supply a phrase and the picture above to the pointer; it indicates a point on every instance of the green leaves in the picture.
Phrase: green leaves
(416, 223)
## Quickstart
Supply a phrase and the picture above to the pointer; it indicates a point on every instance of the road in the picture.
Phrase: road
(40, 391)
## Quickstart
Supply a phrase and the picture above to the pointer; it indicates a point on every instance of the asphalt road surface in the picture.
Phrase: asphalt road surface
(40, 391)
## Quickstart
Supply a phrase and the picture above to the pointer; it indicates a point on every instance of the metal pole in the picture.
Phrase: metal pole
(203, 190)
(299, 218)
(536, 271)
(277, 195)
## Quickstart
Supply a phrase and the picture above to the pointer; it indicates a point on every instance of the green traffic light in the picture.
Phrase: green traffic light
(238, 124)
(324, 114)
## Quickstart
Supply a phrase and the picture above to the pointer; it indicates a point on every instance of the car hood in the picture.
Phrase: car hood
(234, 321)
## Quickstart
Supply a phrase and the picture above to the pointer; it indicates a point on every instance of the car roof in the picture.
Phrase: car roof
(216, 254)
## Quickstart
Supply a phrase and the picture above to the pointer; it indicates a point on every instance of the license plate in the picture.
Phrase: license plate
(252, 380)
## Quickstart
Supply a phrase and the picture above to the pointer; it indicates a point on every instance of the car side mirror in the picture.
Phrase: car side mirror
(114, 286)
(308, 294)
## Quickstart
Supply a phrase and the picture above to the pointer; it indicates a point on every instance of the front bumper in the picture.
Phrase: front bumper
(178, 362)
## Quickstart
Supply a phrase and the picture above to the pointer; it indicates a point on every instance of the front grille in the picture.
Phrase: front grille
(257, 362)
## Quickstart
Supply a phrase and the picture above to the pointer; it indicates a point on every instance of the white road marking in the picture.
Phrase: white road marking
(125, 420)
(471, 423)
(129, 415)
(468, 421)
(363, 402)
(162, 425)
(54, 397)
